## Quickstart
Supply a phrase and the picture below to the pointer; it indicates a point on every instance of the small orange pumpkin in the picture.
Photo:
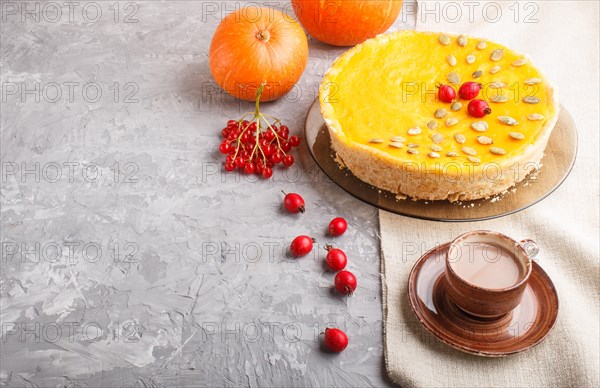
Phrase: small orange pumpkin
(255, 45)
(346, 22)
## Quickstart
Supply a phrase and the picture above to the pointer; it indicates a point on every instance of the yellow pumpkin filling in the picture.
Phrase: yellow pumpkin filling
(382, 94)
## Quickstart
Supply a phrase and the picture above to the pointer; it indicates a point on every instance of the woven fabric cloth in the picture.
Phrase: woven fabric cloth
(562, 39)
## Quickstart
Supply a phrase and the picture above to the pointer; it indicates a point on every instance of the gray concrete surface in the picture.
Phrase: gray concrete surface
(128, 257)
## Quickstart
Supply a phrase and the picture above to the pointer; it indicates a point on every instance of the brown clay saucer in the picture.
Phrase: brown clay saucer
(523, 328)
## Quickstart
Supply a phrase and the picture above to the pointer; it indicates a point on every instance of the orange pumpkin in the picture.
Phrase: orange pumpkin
(346, 22)
(256, 45)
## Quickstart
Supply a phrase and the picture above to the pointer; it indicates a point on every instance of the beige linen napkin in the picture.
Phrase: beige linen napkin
(563, 41)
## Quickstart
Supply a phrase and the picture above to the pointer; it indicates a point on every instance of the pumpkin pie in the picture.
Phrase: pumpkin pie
(388, 125)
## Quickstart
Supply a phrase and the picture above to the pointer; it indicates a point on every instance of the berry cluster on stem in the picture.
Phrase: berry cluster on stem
(257, 142)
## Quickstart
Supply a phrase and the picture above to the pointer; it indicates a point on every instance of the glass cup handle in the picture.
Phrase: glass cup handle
(531, 247)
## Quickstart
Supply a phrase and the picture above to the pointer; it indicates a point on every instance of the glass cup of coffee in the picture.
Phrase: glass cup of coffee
(487, 272)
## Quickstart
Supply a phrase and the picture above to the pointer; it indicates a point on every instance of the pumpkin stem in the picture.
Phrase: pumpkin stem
(263, 35)
(257, 100)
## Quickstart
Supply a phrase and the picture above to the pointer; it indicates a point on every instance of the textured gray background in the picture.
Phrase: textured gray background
(142, 264)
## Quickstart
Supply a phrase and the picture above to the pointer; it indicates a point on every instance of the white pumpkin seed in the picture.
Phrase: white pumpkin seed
(469, 151)
(440, 113)
(495, 69)
(497, 55)
(462, 40)
(519, 62)
(452, 153)
(485, 140)
(460, 138)
(473, 159)
(516, 135)
(398, 139)
(412, 151)
(531, 100)
(481, 45)
(432, 124)
(532, 81)
(507, 120)
(497, 85)
(499, 98)
(414, 131)
(396, 144)
(413, 145)
(376, 141)
(434, 155)
(450, 121)
(497, 150)
(453, 78)
(436, 148)
(456, 106)
(470, 59)
(535, 117)
(444, 39)
(451, 60)
(480, 126)
(477, 74)
(437, 138)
